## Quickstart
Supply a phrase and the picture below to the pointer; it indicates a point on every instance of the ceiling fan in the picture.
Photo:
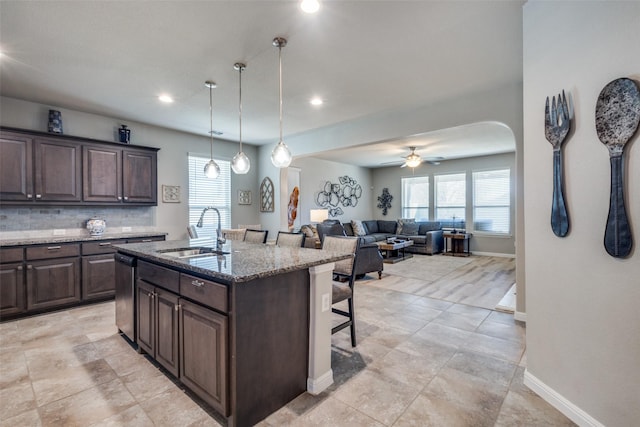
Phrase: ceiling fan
(414, 160)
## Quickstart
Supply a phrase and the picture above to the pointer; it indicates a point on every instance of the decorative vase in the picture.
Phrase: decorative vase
(55, 121)
(96, 226)
(124, 134)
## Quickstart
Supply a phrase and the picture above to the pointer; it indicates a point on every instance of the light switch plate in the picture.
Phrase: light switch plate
(326, 305)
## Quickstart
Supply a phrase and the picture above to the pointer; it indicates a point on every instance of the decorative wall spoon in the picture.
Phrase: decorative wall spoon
(617, 118)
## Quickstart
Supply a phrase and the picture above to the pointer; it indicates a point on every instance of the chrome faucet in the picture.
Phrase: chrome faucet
(220, 240)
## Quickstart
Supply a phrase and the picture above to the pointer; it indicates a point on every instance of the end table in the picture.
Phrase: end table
(459, 244)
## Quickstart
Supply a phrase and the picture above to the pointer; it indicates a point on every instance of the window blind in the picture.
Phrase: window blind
(415, 198)
(492, 201)
(450, 197)
(205, 192)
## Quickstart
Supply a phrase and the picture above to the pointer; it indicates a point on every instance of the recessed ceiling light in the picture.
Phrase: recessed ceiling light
(316, 101)
(310, 6)
(166, 99)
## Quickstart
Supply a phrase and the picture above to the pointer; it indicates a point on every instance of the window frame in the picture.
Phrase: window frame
(403, 205)
(508, 207)
(463, 207)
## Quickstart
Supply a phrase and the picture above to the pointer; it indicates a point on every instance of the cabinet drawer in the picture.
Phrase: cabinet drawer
(204, 291)
(160, 276)
(146, 239)
(11, 254)
(104, 247)
(53, 251)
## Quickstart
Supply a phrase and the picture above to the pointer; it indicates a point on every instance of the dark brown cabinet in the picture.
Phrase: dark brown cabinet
(16, 167)
(158, 324)
(98, 276)
(204, 344)
(12, 292)
(59, 169)
(52, 283)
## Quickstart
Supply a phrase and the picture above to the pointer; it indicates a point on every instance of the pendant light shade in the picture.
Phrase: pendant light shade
(211, 169)
(240, 163)
(280, 156)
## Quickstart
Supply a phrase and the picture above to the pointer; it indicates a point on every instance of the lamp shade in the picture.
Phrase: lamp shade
(318, 215)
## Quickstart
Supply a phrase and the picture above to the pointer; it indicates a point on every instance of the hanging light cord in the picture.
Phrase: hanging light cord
(240, 104)
(211, 117)
(280, 73)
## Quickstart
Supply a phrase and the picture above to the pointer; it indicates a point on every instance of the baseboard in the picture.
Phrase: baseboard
(493, 254)
(555, 399)
(520, 316)
(318, 385)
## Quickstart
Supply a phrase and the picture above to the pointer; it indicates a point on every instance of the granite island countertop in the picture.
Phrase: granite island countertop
(77, 238)
(242, 263)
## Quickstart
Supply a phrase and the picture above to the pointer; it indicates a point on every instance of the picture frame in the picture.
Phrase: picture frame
(170, 193)
(244, 197)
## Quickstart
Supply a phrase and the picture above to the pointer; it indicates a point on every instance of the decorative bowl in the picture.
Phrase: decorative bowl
(96, 226)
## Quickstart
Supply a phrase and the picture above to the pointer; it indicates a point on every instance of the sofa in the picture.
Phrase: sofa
(427, 236)
(368, 257)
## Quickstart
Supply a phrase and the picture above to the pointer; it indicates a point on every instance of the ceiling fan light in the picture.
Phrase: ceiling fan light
(240, 163)
(310, 6)
(281, 156)
(413, 160)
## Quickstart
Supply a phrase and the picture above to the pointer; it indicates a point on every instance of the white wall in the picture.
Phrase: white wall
(390, 178)
(583, 321)
(172, 157)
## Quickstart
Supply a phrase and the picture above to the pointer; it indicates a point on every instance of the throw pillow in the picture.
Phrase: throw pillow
(358, 228)
(410, 229)
(402, 222)
(306, 229)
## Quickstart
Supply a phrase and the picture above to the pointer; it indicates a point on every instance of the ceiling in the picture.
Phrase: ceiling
(114, 58)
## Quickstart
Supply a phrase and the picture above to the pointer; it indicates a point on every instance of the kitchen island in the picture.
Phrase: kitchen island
(246, 328)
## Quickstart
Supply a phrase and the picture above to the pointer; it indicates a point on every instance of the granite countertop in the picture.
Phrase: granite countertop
(76, 238)
(244, 261)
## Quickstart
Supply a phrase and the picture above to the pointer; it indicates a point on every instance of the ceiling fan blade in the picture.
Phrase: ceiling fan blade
(404, 165)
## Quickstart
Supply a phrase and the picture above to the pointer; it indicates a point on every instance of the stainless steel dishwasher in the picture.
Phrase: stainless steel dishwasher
(125, 295)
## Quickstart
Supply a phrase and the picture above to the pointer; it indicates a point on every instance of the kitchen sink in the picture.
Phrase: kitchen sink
(192, 252)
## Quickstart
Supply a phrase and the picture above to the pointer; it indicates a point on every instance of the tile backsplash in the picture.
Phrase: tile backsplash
(73, 218)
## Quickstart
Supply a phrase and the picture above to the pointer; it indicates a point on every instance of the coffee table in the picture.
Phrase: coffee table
(394, 251)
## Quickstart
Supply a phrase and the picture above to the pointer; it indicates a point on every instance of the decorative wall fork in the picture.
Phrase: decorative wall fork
(557, 125)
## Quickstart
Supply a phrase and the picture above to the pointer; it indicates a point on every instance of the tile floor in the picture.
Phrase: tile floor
(419, 362)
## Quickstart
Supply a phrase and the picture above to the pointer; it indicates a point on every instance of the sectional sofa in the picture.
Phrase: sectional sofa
(427, 236)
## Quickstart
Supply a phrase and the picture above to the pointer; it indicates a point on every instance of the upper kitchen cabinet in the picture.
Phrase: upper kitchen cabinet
(49, 169)
(16, 167)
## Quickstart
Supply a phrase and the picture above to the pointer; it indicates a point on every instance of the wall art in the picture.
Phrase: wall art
(266, 195)
(384, 201)
(244, 197)
(293, 187)
(345, 193)
(171, 193)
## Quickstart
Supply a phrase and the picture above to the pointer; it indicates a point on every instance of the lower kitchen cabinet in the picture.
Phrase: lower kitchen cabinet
(12, 295)
(203, 354)
(158, 325)
(53, 282)
(98, 272)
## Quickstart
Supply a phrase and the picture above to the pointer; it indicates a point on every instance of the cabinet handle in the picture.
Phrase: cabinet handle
(126, 198)
(53, 248)
(105, 244)
(119, 197)
(19, 268)
(197, 283)
(29, 196)
(38, 196)
(29, 267)
(146, 240)
(177, 307)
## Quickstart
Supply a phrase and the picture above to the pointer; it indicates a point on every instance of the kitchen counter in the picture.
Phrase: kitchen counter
(244, 261)
(247, 330)
(77, 238)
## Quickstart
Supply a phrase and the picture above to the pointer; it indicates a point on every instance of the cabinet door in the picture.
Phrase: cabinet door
(98, 276)
(167, 327)
(58, 171)
(139, 179)
(16, 168)
(12, 292)
(203, 354)
(53, 282)
(102, 174)
(146, 317)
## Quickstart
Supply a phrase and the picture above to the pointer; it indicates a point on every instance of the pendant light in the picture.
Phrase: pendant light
(280, 156)
(211, 169)
(240, 163)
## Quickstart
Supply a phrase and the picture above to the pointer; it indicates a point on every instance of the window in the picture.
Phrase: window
(415, 198)
(491, 201)
(205, 192)
(450, 198)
